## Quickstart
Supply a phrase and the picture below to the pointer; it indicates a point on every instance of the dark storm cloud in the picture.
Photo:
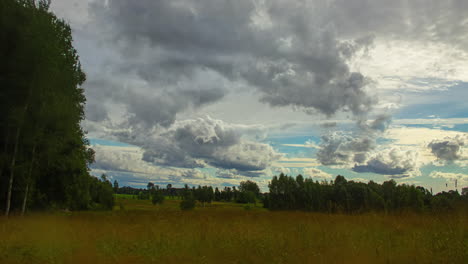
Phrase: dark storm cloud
(95, 111)
(448, 149)
(429, 20)
(295, 53)
(291, 56)
(147, 107)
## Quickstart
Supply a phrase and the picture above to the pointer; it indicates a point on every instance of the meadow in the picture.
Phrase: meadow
(138, 232)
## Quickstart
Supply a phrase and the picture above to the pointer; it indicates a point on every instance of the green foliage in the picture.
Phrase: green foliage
(116, 186)
(249, 186)
(248, 192)
(287, 193)
(157, 196)
(204, 194)
(143, 195)
(43, 149)
(187, 204)
(188, 199)
(246, 197)
(102, 193)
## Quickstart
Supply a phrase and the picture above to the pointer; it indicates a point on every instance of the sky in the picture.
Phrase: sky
(215, 92)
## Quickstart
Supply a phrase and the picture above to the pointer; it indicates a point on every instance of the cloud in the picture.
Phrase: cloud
(330, 124)
(149, 63)
(147, 105)
(193, 174)
(359, 180)
(126, 164)
(235, 174)
(123, 159)
(284, 51)
(381, 122)
(430, 20)
(298, 54)
(395, 162)
(227, 174)
(460, 178)
(449, 176)
(316, 173)
(95, 112)
(279, 170)
(449, 149)
(206, 142)
(307, 144)
(339, 148)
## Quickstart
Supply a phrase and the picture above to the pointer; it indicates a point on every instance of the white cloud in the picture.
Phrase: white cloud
(316, 173)
(412, 65)
(394, 162)
(358, 180)
(418, 139)
(116, 160)
(449, 176)
(206, 141)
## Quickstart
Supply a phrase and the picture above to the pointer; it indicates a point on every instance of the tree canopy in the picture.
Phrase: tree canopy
(44, 155)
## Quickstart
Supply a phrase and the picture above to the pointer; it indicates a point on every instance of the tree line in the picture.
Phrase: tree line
(305, 194)
(343, 196)
(246, 192)
(44, 154)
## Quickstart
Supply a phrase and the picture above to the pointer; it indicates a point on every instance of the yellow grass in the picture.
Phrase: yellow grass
(226, 233)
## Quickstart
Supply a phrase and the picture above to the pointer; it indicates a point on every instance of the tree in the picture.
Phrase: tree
(249, 186)
(204, 194)
(188, 199)
(116, 186)
(102, 193)
(465, 191)
(169, 190)
(217, 194)
(157, 196)
(44, 152)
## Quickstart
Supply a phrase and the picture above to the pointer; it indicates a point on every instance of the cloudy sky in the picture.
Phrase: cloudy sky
(215, 91)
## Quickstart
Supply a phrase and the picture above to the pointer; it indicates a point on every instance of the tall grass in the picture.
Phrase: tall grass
(224, 233)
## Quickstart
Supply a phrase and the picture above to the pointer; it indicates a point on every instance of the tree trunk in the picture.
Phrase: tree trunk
(12, 171)
(23, 208)
(5, 148)
(15, 151)
(28, 180)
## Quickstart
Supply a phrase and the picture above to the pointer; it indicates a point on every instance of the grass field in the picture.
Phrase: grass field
(227, 233)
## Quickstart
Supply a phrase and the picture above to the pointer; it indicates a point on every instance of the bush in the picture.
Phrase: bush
(187, 204)
(157, 197)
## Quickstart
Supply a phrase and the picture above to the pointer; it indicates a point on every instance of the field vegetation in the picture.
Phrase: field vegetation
(137, 231)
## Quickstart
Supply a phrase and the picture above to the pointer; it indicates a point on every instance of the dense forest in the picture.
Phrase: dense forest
(340, 195)
(44, 156)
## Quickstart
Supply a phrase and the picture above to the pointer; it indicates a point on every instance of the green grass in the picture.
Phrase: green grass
(227, 233)
(125, 196)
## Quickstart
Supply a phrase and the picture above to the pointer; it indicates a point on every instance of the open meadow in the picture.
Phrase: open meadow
(138, 232)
